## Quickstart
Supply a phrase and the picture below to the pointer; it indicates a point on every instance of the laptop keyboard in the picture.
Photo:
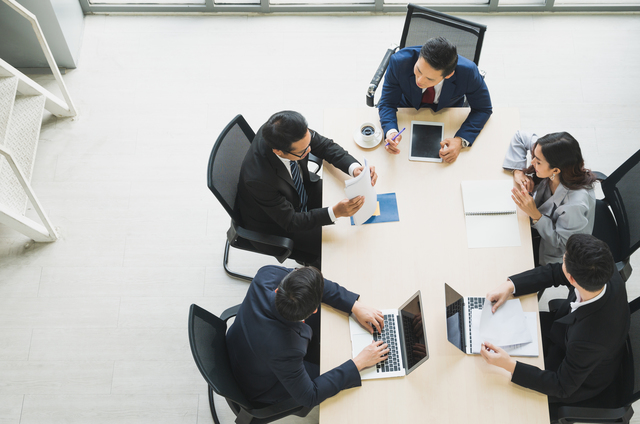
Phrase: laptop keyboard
(392, 363)
(474, 303)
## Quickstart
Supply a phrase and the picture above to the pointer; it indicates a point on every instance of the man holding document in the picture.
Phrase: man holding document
(278, 195)
(584, 339)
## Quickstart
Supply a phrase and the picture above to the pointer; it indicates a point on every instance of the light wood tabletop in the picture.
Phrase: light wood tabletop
(388, 262)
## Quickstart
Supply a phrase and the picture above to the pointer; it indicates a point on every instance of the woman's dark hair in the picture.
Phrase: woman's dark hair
(299, 293)
(283, 129)
(562, 151)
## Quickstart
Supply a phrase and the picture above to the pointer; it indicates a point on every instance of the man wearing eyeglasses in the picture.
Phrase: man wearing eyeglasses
(278, 195)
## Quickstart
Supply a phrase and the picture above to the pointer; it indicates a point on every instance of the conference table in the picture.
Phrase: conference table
(386, 263)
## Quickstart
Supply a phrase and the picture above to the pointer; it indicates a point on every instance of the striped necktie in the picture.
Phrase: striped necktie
(297, 182)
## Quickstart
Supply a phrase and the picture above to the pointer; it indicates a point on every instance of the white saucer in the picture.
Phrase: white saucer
(357, 137)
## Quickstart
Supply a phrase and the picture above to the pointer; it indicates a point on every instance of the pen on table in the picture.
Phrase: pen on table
(396, 136)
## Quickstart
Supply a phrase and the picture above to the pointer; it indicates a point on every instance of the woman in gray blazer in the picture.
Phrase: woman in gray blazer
(556, 190)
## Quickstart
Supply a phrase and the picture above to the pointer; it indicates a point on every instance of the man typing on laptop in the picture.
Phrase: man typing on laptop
(274, 342)
(584, 339)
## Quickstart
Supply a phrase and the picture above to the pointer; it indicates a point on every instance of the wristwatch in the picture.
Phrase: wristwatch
(465, 143)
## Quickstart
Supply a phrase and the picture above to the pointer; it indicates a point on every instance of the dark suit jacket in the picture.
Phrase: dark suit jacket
(400, 90)
(584, 349)
(267, 351)
(267, 199)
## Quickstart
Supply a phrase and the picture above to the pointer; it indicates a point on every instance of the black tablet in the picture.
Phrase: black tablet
(425, 141)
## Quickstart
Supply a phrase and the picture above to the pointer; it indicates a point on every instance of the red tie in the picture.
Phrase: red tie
(428, 95)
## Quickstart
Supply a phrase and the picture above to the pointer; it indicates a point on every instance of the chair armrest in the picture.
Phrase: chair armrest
(554, 304)
(229, 313)
(569, 414)
(382, 68)
(235, 231)
(285, 407)
(599, 175)
(315, 159)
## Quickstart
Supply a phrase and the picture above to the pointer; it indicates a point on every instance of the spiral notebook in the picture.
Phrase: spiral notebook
(490, 214)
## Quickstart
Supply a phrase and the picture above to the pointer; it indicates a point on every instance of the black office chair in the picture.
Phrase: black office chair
(207, 339)
(617, 405)
(422, 24)
(223, 174)
(622, 196)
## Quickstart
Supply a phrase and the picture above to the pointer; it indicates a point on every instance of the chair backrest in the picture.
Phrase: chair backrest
(422, 24)
(622, 193)
(606, 229)
(225, 161)
(634, 339)
(207, 339)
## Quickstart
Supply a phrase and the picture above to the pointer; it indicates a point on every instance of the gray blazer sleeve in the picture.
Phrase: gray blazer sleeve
(572, 218)
(521, 143)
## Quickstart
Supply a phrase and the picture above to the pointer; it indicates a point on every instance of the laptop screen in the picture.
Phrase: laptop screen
(455, 317)
(414, 334)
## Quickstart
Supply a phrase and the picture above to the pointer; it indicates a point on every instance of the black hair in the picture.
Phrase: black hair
(283, 129)
(299, 293)
(440, 54)
(589, 261)
(562, 151)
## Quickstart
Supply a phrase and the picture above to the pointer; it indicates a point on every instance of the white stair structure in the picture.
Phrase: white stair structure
(22, 104)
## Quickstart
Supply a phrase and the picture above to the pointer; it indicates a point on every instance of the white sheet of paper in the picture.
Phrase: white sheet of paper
(506, 327)
(490, 230)
(361, 186)
(523, 349)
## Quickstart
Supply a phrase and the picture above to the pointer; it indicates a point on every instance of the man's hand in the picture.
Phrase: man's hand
(450, 149)
(377, 351)
(525, 202)
(523, 181)
(500, 295)
(392, 145)
(374, 177)
(348, 207)
(495, 355)
(368, 316)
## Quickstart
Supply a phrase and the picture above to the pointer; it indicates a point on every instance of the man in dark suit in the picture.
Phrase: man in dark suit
(584, 339)
(270, 201)
(273, 343)
(434, 76)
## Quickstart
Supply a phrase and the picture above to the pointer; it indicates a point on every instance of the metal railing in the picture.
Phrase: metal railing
(375, 6)
(26, 85)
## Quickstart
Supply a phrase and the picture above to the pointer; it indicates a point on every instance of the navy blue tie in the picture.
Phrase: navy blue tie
(297, 182)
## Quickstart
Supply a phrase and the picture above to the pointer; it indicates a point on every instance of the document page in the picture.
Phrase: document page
(517, 335)
(490, 214)
(361, 186)
(506, 326)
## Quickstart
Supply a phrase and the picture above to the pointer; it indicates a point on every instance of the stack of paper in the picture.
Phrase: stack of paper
(509, 328)
(361, 186)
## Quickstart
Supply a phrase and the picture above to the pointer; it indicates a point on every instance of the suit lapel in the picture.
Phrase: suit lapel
(278, 166)
(448, 88)
(416, 92)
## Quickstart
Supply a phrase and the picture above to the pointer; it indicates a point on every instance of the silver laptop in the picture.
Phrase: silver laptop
(459, 315)
(405, 333)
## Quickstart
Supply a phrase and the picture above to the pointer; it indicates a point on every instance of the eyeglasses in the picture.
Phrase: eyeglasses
(304, 152)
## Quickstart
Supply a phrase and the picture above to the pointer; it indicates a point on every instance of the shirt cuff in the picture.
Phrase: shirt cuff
(391, 131)
(352, 167)
(331, 214)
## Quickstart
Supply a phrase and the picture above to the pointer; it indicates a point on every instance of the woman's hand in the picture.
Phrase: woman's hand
(525, 202)
(523, 181)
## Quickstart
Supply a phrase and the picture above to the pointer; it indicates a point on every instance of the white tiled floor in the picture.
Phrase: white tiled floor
(93, 326)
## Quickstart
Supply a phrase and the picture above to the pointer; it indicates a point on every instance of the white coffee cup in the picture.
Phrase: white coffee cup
(369, 132)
